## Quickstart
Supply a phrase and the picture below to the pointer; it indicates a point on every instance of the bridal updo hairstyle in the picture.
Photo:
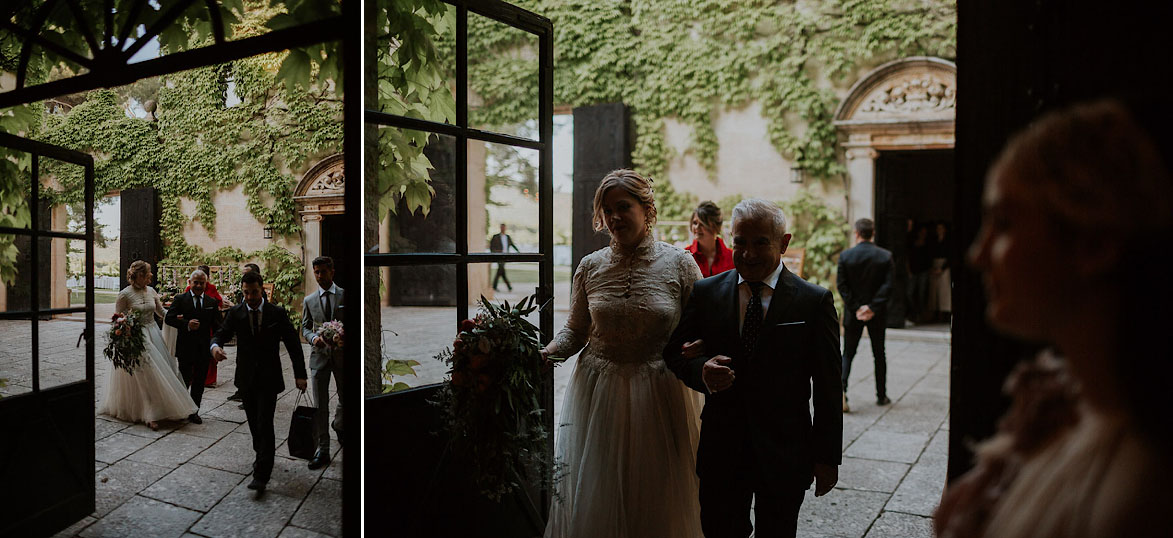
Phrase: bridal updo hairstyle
(636, 185)
(138, 267)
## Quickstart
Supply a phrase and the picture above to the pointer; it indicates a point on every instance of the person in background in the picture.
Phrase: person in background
(940, 292)
(317, 308)
(864, 280)
(501, 243)
(1076, 207)
(707, 248)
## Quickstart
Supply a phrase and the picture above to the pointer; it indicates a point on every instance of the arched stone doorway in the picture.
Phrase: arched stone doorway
(897, 127)
(906, 104)
(319, 198)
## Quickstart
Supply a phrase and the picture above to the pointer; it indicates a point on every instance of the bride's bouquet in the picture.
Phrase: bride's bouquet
(490, 402)
(127, 342)
(331, 332)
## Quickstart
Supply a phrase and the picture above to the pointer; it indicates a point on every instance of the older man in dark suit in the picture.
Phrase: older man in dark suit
(766, 337)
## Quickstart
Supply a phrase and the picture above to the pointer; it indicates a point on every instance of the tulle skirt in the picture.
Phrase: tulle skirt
(155, 391)
(627, 450)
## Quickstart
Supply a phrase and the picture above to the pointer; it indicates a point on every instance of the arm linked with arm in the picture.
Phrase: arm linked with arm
(172, 317)
(689, 329)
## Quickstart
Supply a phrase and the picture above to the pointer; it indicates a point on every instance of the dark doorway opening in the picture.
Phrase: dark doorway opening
(915, 190)
(333, 239)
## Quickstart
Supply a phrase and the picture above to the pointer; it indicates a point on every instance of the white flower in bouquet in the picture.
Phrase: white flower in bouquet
(332, 333)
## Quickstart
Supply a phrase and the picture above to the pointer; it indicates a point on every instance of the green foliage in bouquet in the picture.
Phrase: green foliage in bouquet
(490, 402)
(126, 340)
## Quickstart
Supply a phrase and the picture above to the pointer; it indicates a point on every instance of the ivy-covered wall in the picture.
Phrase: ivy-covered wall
(198, 144)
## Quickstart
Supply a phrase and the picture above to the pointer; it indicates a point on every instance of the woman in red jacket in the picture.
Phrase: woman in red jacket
(707, 248)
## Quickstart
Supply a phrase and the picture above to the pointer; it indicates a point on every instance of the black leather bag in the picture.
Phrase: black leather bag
(301, 430)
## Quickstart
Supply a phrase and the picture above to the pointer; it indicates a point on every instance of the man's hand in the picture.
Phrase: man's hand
(318, 342)
(692, 350)
(717, 374)
(864, 313)
(193, 324)
(301, 384)
(218, 354)
(825, 478)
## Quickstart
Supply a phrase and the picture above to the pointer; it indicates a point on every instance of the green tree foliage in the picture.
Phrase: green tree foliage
(413, 81)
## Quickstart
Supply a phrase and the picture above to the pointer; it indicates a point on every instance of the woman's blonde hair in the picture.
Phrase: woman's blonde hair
(634, 184)
(138, 267)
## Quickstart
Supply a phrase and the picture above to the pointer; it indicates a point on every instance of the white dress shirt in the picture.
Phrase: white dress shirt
(333, 294)
(767, 292)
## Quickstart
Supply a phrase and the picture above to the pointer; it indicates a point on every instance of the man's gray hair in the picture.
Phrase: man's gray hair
(759, 209)
(197, 272)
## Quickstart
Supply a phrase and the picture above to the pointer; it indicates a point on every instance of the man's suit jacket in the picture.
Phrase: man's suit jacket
(193, 344)
(499, 244)
(766, 410)
(865, 277)
(312, 314)
(258, 356)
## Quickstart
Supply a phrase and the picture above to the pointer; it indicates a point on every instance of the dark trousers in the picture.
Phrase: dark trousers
(501, 276)
(852, 331)
(259, 409)
(725, 504)
(194, 368)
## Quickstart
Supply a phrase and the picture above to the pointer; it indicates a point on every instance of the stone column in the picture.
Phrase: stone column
(861, 173)
(59, 296)
(385, 247)
(311, 223)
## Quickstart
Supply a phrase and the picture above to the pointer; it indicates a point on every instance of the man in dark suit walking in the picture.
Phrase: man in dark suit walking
(864, 280)
(195, 316)
(502, 243)
(765, 338)
(260, 327)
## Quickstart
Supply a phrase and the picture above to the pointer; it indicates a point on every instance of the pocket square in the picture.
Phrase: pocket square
(791, 324)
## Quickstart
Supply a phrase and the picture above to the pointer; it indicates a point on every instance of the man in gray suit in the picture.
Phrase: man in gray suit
(324, 305)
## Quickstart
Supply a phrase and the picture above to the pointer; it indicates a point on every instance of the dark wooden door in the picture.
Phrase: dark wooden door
(47, 453)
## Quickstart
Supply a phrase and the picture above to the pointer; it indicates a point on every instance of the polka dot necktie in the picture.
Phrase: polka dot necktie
(753, 317)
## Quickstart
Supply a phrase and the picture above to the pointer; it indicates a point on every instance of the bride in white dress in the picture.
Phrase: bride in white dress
(156, 391)
(629, 428)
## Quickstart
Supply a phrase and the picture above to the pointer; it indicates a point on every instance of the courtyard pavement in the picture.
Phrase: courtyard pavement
(894, 456)
(184, 479)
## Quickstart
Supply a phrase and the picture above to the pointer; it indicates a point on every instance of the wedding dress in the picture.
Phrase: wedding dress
(629, 428)
(156, 390)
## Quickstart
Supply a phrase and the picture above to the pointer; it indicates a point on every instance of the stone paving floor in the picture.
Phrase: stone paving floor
(894, 456)
(184, 479)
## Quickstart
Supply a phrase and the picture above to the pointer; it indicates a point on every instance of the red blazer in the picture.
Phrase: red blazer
(722, 262)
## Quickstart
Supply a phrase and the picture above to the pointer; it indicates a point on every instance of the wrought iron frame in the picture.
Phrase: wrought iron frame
(108, 67)
(544, 30)
(38, 149)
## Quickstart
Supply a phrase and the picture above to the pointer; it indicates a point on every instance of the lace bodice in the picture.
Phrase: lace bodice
(146, 300)
(625, 303)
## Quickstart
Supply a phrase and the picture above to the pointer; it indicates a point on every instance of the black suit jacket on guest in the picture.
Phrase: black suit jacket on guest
(767, 408)
(865, 277)
(499, 244)
(193, 344)
(258, 357)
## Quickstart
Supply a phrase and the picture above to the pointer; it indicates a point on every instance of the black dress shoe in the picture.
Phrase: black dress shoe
(258, 484)
(195, 419)
(235, 396)
(883, 400)
(321, 459)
